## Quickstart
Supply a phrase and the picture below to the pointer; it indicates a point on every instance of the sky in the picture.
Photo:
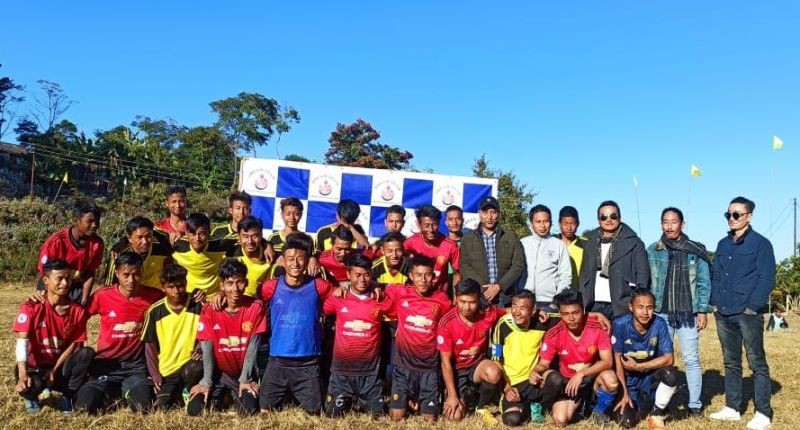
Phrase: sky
(575, 98)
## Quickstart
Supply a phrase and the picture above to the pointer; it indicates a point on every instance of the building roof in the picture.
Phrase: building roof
(12, 148)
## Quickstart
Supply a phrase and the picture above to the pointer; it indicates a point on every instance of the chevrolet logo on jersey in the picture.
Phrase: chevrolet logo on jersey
(128, 327)
(233, 341)
(358, 325)
(419, 321)
(50, 341)
(469, 352)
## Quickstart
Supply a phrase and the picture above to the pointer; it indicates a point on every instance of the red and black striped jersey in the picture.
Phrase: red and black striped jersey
(469, 343)
(417, 319)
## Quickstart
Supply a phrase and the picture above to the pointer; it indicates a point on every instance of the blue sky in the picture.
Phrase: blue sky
(576, 98)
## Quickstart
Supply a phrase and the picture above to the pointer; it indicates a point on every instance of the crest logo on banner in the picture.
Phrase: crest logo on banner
(446, 194)
(325, 184)
(387, 190)
(262, 179)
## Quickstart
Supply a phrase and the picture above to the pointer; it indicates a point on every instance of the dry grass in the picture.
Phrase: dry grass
(782, 351)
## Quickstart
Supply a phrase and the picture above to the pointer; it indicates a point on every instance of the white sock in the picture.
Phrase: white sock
(663, 395)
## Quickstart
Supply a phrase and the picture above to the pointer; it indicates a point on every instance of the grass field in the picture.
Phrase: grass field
(782, 353)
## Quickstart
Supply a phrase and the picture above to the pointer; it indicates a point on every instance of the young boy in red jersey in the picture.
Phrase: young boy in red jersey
(119, 369)
(463, 338)
(80, 246)
(229, 338)
(50, 336)
(174, 225)
(431, 244)
(418, 307)
(585, 359)
(356, 349)
(333, 260)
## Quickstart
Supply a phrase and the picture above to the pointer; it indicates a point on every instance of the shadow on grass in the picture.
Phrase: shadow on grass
(714, 385)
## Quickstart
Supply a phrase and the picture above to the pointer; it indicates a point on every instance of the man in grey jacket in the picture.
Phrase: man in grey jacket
(548, 266)
(492, 256)
(614, 263)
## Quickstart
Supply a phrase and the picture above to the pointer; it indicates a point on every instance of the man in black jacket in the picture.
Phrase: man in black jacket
(614, 263)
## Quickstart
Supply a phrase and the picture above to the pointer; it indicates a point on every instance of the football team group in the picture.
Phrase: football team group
(201, 317)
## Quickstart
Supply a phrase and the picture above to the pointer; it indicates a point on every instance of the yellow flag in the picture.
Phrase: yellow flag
(777, 143)
(64, 180)
(696, 171)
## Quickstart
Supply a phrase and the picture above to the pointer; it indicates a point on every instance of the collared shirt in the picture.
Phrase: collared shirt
(491, 253)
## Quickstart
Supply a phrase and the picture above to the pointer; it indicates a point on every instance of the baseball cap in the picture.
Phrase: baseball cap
(489, 202)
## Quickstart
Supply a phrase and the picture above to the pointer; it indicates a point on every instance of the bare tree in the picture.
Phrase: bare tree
(50, 105)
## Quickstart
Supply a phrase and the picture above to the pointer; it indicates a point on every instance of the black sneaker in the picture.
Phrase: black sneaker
(696, 412)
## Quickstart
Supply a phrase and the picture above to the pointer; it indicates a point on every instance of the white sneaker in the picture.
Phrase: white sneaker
(726, 414)
(759, 422)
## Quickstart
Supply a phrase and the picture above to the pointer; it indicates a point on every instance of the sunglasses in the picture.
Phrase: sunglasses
(734, 215)
(612, 216)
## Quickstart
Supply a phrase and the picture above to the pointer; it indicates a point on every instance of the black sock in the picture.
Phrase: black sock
(487, 393)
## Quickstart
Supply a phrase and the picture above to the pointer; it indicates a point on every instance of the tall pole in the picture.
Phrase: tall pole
(794, 236)
(33, 169)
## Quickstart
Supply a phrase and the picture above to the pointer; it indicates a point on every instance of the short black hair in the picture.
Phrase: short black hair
(348, 211)
(672, 209)
(609, 203)
(250, 223)
(639, 292)
(128, 258)
(568, 297)
(468, 287)
(452, 208)
(525, 295)
(421, 260)
(428, 211)
(343, 233)
(173, 274)
(83, 207)
(138, 222)
(749, 205)
(393, 237)
(292, 201)
(539, 208)
(568, 212)
(55, 264)
(240, 196)
(301, 241)
(196, 220)
(175, 189)
(396, 209)
(232, 268)
(360, 260)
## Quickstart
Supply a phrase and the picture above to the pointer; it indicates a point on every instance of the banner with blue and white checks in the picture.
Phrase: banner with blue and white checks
(321, 187)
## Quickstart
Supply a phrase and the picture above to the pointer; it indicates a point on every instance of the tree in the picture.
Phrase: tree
(250, 120)
(513, 195)
(298, 158)
(51, 105)
(10, 96)
(787, 283)
(356, 145)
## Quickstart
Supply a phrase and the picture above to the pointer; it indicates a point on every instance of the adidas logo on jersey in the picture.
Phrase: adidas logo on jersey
(564, 352)
(112, 314)
(405, 303)
(216, 327)
(345, 310)
(459, 342)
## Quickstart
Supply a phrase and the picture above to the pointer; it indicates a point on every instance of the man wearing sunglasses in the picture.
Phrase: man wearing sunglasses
(742, 278)
(614, 263)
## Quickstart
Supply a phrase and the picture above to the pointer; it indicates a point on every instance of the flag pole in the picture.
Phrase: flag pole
(44, 225)
(638, 213)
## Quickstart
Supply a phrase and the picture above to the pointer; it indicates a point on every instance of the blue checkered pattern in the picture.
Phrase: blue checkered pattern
(320, 188)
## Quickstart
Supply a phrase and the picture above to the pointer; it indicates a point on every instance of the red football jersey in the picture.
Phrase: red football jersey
(445, 253)
(356, 347)
(336, 272)
(83, 261)
(574, 354)
(121, 321)
(231, 333)
(49, 334)
(468, 343)
(165, 226)
(417, 317)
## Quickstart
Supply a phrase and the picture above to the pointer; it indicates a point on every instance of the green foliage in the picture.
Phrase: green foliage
(250, 120)
(787, 281)
(298, 158)
(356, 145)
(513, 195)
(10, 97)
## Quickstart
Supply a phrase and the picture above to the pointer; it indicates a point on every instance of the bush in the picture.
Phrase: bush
(26, 224)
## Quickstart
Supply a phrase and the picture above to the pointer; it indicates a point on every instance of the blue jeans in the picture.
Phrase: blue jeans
(748, 330)
(689, 339)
